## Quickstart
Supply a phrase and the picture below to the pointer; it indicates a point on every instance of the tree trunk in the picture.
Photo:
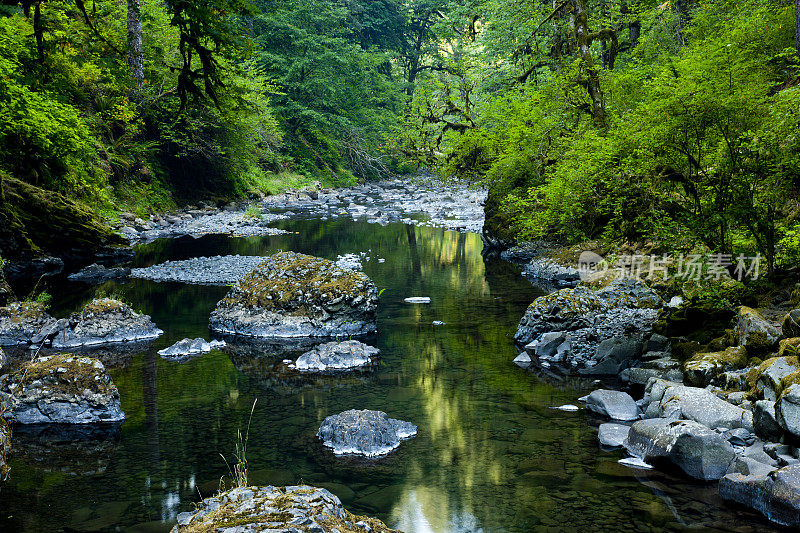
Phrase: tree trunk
(135, 56)
(797, 25)
(681, 15)
(583, 42)
(635, 30)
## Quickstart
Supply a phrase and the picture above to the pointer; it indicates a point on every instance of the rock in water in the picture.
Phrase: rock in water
(24, 323)
(296, 295)
(674, 401)
(613, 435)
(417, 300)
(364, 432)
(64, 389)
(617, 405)
(105, 321)
(337, 356)
(96, 274)
(776, 494)
(699, 451)
(189, 347)
(297, 508)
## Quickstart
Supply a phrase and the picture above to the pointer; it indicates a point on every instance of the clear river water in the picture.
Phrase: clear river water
(491, 454)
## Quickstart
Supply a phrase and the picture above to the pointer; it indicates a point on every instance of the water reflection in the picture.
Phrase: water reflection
(490, 454)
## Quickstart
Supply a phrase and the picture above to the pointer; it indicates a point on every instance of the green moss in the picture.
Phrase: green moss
(755, 372)
(789, 347)
(788, 381)
(19, 311)
(76, 373)
(734, 357)
(103, 305)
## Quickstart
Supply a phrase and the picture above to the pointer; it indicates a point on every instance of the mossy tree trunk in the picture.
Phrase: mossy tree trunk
(135, 54)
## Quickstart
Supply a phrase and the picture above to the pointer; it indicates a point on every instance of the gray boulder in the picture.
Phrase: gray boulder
(548, 270)
(25, 323)
(364, 432)
(105, 321)
(337, 356)
(704, 368)
(96, 274)
(754, 331)
(675, 401)
(562, 310)
(774, 370)
(190, 347)
(776, 494)
(699, 451)
(296, 295)
(787, 410)
(64, 389)
(749, 467)
(765, 422)
(291, 509)
(548, 343)
(791, 324)
(613, 435)
(616, 405)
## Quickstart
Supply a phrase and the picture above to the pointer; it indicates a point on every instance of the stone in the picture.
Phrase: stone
(22, 322)
(756, 452)
(754, 331)
(417, 300)
(364, 432)
(613, 435)
(549, 270)
(703, 368)
(337, 356)
(776, 494)
(676, 401)
(190, 347)
(696, 449)
(739, 437)
(548, 343)
(765, 422)
(272, 509)
(523, 359)
(771, 373)
(749, 467)
(562, 310)
(63, 389)
(296, 295)
(787, 410)
(616, 405)
(105, 321)
(790, 327)
(96, 274)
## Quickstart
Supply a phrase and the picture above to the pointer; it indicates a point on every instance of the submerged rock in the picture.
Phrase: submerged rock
(25, 323)
(776, 494)
(699, 451)
(296, 295)
(105, 321)
(295, 508)
(64, 389)
(189, 347)
(337, 356)
(364, 432)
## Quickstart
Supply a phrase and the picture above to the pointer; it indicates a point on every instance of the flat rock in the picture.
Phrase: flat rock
(96, 274)
(266, 509)
(24, 323)
(337, 356)
(613, 435)
(776, 494)
(105, 321)
(364, 432)
(616, 405)
(677, 401)
(63, 389)
(296, 295)
(699, 451)
(190, 347)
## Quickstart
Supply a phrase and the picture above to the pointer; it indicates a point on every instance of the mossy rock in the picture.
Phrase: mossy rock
(754, 331)
(791, 324)
(788, 347)
(702, 368)
(28, 215)
(764, 377)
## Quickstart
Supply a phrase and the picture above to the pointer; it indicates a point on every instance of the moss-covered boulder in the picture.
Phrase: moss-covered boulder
(63, 389)
(767, 378)
(703, 368)
(754, 331)
(296, 295)
(25, 323)
(791, 324)
(296, 508)
(787, 347)
(105, 321)
(29, 214)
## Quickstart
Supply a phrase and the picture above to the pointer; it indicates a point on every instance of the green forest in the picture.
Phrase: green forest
(674, 124)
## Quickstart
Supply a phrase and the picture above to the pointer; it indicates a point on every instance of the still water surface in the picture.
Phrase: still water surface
(491, 455)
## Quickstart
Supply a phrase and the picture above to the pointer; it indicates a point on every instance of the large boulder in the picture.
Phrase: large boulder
(295, 508)
(64, 389)
(25, 323)
(768, 377)
(105, 321)
(699, 451)
(754, 331)
(562, 310)
(765, 421)
(364, 432)
(666, 399)
(791, 324)
(337, 356)
(616, 405)
(296, 295)
(776, 494)
(787, 410)
(612, 435)
(704, 368)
